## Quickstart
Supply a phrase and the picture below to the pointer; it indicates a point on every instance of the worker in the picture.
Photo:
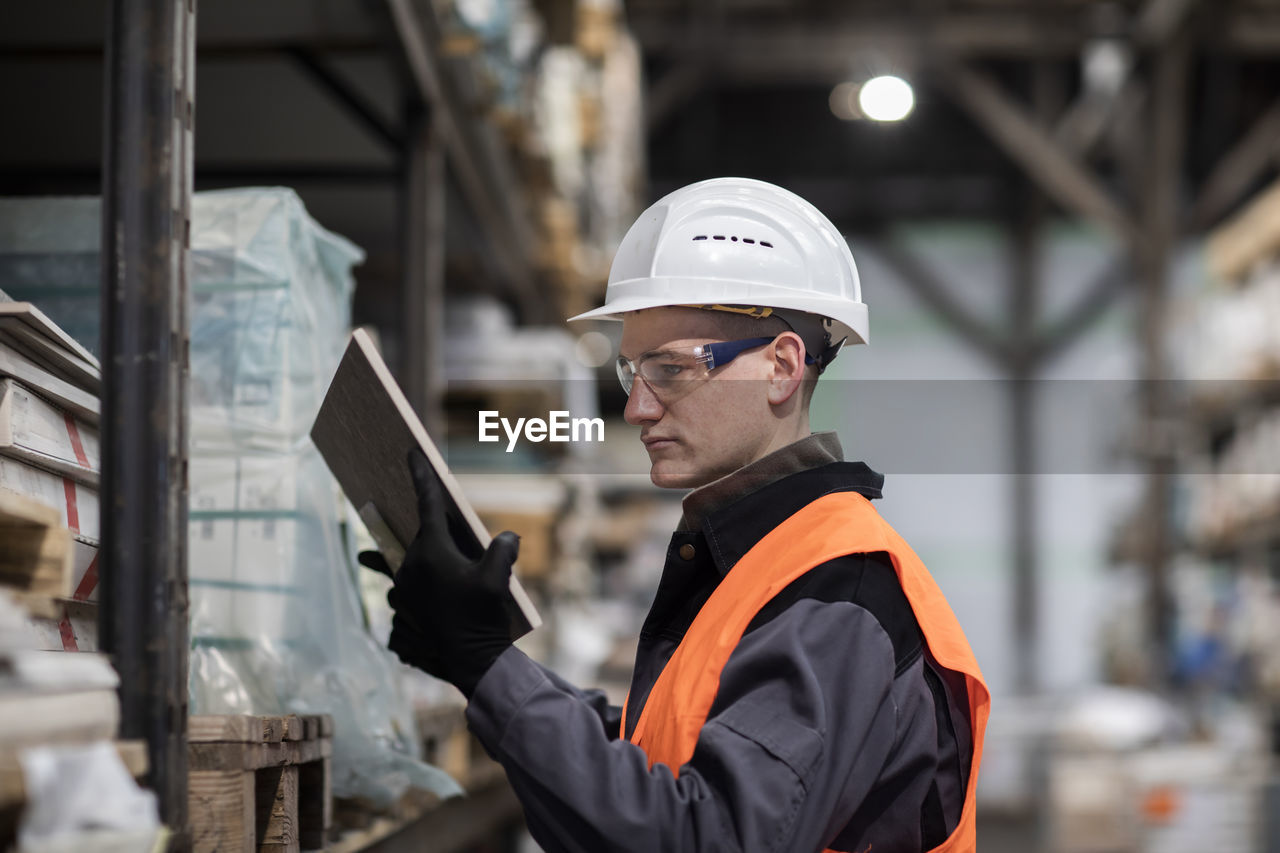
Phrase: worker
(800, 682)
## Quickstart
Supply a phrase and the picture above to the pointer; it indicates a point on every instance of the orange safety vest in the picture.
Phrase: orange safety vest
(831, 526)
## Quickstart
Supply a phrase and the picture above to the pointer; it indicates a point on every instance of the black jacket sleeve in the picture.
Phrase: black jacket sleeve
(804, 720)
(610, 715)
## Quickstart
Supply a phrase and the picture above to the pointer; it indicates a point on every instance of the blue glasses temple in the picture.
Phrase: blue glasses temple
(719, 354)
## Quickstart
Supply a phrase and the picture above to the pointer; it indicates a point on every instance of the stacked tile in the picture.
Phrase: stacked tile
(49, 462)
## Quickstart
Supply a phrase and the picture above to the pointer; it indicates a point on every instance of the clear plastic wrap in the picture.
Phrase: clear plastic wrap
(276, 621)
(49, 256)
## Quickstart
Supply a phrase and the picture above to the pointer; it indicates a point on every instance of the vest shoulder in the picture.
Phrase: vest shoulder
(867, 580)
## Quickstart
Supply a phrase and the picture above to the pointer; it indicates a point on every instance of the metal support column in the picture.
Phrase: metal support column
(1023, 369)
(150, 69)
(424, 260)
(1160, 206)
(1022, 372)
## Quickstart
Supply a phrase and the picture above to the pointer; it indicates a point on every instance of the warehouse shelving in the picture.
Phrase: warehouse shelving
(446, 142)
(1227, 528)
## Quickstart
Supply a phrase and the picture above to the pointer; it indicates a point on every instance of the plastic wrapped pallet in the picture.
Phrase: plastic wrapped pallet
(276, 622)
(49, 256)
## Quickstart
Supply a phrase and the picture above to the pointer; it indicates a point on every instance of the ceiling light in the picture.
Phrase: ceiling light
(886, 98)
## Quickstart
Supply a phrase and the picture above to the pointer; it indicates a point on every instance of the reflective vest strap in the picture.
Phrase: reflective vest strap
(830, 527)
(692, 675)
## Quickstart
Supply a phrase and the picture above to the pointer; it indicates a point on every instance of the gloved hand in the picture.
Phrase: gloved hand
(450, 607)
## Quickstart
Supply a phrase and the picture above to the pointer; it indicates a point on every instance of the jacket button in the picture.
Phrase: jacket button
(687, 552)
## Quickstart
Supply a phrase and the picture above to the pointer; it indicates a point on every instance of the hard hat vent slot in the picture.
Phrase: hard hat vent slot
(750, 240)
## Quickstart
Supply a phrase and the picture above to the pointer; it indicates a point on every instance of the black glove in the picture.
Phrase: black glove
(450, 607)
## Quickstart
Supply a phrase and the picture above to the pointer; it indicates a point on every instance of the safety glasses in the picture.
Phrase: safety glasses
(669, 371)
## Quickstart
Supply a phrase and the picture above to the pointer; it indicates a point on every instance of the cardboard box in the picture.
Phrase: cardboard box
(244, 526)
(34, 431)
(242, 520)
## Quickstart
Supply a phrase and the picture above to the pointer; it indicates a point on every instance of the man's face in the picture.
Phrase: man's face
(708, 428)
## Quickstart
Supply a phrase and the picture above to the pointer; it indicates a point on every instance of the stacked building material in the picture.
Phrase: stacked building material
(49, 468)
(276, 626)
(54, 707)
(1222, 581)
(1231, 354)
(49, 474)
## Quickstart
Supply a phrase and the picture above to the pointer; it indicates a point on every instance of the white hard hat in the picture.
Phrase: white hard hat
(737, 241)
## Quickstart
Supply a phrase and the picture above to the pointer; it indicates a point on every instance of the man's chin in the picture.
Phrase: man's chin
(665, 475)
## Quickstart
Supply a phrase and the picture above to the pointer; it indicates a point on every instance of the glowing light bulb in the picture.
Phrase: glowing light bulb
(886, 98)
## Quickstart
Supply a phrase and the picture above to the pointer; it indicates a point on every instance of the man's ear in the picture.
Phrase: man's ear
(787, 368)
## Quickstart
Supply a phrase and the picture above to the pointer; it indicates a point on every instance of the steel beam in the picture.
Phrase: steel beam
(930, 290)
(1160, 20)
(1061, 176)
(1250, 34)
(347, 96)
(780, 42)
(146, 215)
(1240, 167)
(1096, 298)
(252, 49)
(1085, 121)
(84, 179)
(423, 272)
(482, 176)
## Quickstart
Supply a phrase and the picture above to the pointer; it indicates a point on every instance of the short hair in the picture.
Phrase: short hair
(733, 326)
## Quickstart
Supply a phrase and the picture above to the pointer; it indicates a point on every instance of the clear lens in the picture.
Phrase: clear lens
(662, 374)
(626, 375)
(669, 371)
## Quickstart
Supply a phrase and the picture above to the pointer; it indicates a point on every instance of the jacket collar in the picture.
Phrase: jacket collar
(812, 451)
(733, 530)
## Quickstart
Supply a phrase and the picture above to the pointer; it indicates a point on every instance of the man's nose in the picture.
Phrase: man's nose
(643, 405)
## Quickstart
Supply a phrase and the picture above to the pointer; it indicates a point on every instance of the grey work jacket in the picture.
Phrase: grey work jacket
(832, 727)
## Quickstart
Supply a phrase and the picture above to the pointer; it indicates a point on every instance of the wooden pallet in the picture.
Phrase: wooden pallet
(35, 549)
(260, 783)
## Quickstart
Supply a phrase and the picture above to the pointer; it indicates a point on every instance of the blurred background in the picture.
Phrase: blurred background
(1066, 218)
